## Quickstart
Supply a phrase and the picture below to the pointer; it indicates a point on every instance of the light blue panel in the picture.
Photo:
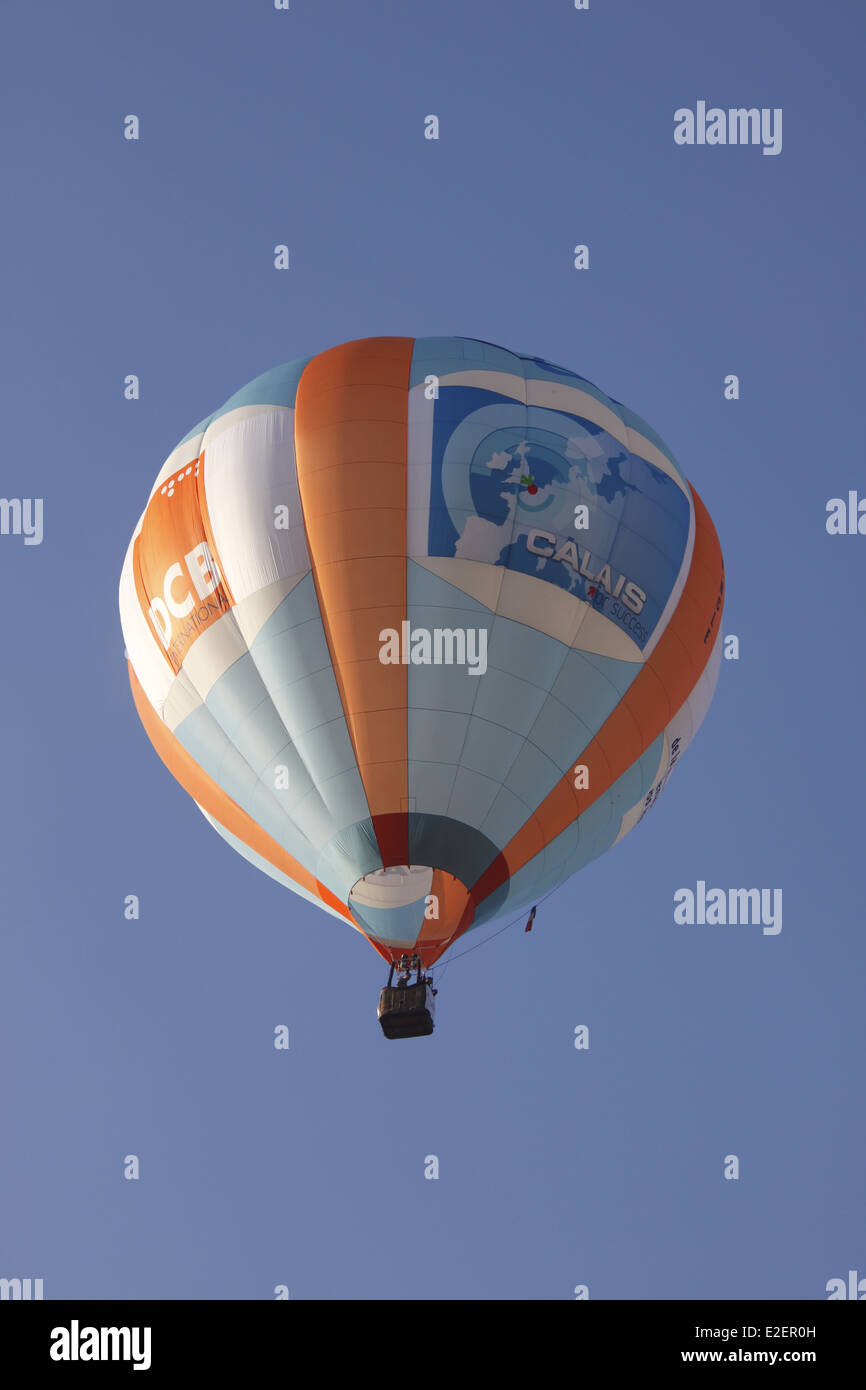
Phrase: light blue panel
(267, 868)
(400, 925)
(290, 651)
(591, 686)
(595, 832)
(512, 701)
(511, 706)
(581, 841)
(445, 688)
(351, 854)
(291, 797)
(436, 735)
(431, 785)
(490, 748)
(508, 812)
(531, 771)
(523, 651)
(306, 703)
(207, 743)
(291, 655)
(559, 733)
(260, 736)
(330, 807)
(439, 698)
(238, 690)
(471, 799)
(427, 593)
(515, 653)
(444, 355)
(562, 731)
(327, 750)
(279, 704)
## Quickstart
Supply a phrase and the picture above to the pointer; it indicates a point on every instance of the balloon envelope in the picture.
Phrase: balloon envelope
(422, 625)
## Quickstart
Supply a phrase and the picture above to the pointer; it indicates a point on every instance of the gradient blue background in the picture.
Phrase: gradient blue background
(154, 1037)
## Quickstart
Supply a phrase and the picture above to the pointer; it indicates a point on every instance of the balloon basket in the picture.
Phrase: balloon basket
(406, 1009)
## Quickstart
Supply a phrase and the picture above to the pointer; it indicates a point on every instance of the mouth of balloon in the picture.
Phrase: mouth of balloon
(396, 905)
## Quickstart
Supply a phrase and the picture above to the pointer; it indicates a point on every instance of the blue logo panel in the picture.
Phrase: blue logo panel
(555, 496)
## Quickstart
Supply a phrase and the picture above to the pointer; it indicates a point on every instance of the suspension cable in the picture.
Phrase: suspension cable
(491, 937)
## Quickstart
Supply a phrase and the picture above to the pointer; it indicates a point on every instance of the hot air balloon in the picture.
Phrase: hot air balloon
(422, 626)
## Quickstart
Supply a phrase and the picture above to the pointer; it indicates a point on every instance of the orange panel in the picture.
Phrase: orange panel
(351, 416)
(175, 564)
(453, 900)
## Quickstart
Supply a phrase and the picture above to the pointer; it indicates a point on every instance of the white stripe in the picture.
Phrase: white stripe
(250, 483)
(183, 699)
(212, 653)
(184, 454)
(538, 604)
(252, 612)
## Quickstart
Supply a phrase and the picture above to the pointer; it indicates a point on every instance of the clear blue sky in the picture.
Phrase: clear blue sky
(154, 1037)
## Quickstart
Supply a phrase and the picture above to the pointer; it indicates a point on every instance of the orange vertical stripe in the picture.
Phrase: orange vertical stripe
(451, 898)
(351, 416)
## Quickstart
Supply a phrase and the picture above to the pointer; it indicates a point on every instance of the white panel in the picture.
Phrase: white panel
(252, 612)
(183, 698)
(249, 471)
(537, 603)
(213, 652)
(394, 887)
